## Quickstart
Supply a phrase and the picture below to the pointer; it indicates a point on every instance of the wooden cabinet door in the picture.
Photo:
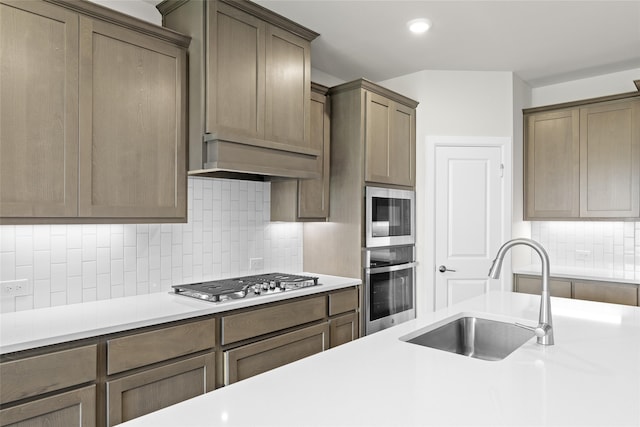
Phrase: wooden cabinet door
(287, 88)
(253, 359)
(344, 329)
(313, 194)
(135, 395)
(38, 110)
(73, 408)
(236, 75)
(389, 141)
(377, 137)
(552, 165)
(132, 135)
(610, 160)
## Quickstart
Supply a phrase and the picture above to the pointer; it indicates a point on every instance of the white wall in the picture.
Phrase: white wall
(593, 87)
(452, 103)
(139, 9)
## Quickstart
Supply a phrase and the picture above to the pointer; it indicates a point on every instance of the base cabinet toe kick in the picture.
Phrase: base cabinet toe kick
(109, 379)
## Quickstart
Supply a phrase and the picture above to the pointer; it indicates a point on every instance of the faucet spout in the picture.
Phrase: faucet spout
(544, 331)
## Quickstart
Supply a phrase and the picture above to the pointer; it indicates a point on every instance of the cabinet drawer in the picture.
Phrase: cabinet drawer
(343, 301)
(616, 293)
(135, 395)
(241, 326)
(145, 348)
(73, 408)
(533, 285)
(48, 372)
(253, 359)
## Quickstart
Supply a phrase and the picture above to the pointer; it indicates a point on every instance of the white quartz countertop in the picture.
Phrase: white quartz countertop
(590, 377)
(29, 329)
(583, 273)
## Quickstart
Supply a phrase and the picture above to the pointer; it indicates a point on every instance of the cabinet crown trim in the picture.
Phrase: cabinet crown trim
(583, 102)
(375, 88)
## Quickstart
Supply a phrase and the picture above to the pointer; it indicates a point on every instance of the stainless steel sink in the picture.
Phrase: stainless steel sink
(474, 337)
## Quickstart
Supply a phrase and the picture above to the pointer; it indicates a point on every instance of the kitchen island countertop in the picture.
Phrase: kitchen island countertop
(583, 273)
(24, 330)
(590, 377)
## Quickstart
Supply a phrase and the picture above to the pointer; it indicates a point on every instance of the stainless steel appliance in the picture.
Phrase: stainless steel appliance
(390, 217)
(389, 286)
(245, 287)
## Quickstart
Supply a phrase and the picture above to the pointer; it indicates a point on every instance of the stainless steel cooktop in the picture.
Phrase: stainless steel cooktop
(243, 287)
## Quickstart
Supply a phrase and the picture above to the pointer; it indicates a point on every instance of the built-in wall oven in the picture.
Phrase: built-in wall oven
(389, 217)
(389, 286)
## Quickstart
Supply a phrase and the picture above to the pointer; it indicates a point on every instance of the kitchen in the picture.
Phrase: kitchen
(79, 263)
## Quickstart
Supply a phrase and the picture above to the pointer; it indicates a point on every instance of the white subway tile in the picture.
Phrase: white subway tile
(103, 260)
(41, 293)
(74, 262)
(117, 272)
(58, 277)
(103, 235)
(24, 302)
(89, 247)
(7, 266)
(103, 288)
(24, 250)
(89, 274)
(42, 265)
(74, 290)
(74, 237)
(58, 298)
(58, 248)
(7, 238)
(130, 258)
(89, 295)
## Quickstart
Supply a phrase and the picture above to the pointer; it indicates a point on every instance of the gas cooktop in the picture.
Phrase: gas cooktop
(243, 287)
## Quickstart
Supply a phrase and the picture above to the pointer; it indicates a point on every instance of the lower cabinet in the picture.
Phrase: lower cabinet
(252, 359)
(343, 329)
(138, 394)
(73, 408)
(611, 292)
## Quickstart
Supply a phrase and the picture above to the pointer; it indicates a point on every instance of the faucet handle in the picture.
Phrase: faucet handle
(540, 331)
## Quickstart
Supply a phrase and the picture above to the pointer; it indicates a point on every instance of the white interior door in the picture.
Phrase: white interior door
(469, 197)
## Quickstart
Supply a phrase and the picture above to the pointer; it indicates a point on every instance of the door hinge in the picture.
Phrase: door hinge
(501, 170)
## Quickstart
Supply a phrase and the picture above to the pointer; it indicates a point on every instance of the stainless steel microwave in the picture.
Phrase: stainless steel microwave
(390, 217)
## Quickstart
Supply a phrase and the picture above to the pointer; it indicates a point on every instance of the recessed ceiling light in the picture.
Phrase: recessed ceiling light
(419, 26)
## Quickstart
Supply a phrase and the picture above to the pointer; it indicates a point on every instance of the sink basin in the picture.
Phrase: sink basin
(474, 337)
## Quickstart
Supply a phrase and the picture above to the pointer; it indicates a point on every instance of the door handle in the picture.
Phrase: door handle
(443, 269)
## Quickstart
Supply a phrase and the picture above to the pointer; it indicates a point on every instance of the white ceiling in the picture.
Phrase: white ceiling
(543, 42)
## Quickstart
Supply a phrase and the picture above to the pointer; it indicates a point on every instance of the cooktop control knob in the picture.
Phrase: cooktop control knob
(272, 284)
(265, 286)
(256, 290)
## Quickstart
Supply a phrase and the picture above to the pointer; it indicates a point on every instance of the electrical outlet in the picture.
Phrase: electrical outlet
(15, 288)
(256, 264)
(582, 254)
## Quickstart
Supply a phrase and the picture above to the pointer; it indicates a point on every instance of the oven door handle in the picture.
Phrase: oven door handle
(390, 268)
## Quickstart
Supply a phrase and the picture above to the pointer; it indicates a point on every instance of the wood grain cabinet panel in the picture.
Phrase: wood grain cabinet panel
(75, 408)
(343, 301)
(252, 359)
(250, 324)
(135, 395)
(552, 176)
(36, 375)
(308, 199)
(533, 285)
(389, 141)
(38, 110)
(610, 160)
(132, 135)
(616, 293)
(249, 89)
(146, 348)
(583, 160)
(344, 329)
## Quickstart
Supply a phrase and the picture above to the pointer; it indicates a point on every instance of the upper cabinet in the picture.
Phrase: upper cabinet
(388, 131)
(582, 160)
(93, 117)
(390, 140)
(308, 199)
(249, 89)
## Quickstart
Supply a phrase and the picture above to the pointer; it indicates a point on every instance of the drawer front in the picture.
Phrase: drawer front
(533, 285)
(343, 301)
(145, 348)
(253, 359)
(73, 408)
(48, 372)
(135, 395)
(241, 326)
(615, 293)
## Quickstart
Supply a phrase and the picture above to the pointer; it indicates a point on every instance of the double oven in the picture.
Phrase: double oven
(389, 257)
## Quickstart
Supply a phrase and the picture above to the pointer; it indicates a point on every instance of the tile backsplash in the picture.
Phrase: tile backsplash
(611, 246)
(228, 224)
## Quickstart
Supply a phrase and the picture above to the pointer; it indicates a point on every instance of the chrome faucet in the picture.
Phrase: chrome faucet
(544, 330)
